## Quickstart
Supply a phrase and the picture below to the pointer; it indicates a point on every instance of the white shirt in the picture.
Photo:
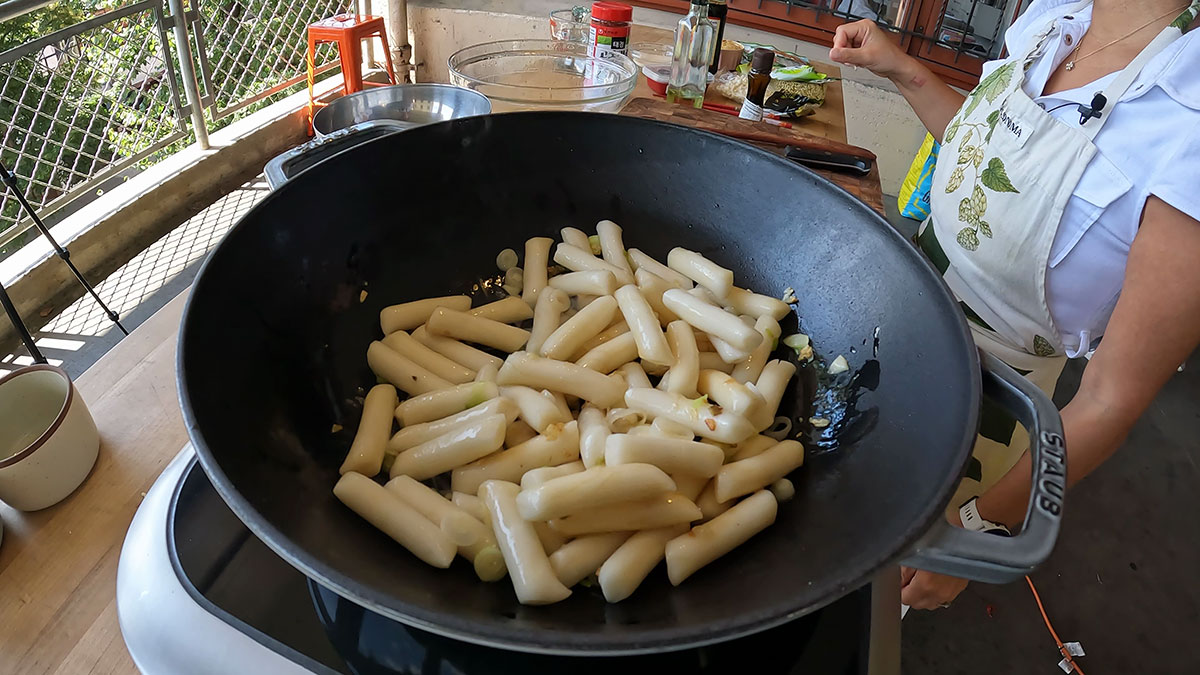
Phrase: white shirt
(1149, 146)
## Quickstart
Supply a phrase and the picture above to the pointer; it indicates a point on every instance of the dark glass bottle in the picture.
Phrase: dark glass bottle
(756, 86)
(717, 10)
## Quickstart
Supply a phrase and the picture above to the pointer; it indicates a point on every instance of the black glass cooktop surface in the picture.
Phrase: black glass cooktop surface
(234, 576)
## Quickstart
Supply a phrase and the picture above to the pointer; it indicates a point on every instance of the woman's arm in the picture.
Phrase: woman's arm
(863, 43)
(1154, 328)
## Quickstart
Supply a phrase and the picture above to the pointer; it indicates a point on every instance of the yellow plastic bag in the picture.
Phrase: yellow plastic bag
(914, 191)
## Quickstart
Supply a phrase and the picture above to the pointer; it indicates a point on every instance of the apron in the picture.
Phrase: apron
(1005, 173)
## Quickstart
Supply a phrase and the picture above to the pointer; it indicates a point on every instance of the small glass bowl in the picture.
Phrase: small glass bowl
(570, 26)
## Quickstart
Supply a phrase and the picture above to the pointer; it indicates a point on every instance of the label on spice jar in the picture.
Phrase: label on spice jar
(603, 42)
(751, 111)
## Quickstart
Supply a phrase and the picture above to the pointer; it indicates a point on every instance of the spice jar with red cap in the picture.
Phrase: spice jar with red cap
(610, 29)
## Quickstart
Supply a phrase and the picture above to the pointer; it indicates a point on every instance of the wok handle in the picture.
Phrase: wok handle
(283, 167)
(986, 557)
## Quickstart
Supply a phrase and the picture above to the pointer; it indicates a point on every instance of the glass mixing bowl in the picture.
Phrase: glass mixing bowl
(544, 75)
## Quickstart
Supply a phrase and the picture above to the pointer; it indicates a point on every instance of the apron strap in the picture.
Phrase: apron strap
(1117, 88)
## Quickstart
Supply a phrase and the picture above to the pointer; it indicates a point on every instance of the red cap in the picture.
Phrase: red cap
(612, 11)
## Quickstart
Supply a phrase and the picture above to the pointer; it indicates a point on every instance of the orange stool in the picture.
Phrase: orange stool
(347, 31)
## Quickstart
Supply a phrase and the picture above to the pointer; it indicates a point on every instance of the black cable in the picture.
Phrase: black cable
(11, 181)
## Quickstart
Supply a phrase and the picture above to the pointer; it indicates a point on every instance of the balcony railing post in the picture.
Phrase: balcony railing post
(187, 70)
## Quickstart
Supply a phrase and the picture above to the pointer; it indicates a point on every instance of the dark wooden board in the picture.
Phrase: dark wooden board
(866, 188)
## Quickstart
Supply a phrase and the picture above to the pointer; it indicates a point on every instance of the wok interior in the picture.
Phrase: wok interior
(273, 342)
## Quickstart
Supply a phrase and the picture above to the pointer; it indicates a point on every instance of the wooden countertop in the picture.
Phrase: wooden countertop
(58, 566)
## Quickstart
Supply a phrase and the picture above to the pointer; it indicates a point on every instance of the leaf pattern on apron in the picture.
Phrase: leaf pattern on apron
(973, 208)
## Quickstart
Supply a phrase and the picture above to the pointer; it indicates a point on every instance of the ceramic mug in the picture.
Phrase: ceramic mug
(48, 440)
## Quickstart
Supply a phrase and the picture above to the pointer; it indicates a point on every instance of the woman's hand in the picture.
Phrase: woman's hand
(926, 590)
(863, 43)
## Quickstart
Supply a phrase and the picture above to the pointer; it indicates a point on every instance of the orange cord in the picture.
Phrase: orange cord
(1061, 647)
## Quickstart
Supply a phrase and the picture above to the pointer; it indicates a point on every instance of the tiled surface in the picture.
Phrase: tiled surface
(82, 333)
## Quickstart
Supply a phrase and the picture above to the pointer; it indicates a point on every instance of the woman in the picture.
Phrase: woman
(1059, 216)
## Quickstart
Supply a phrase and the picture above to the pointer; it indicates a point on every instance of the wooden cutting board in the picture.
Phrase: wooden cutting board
(866, 188)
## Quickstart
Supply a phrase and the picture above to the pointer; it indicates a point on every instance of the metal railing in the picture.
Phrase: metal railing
(89, 105)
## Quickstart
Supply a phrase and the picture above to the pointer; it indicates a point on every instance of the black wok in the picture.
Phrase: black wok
(271, 355)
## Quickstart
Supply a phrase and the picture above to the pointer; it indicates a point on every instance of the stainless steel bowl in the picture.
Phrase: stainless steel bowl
(412, 104)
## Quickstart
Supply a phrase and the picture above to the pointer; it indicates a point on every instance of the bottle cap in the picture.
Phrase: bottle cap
(699, 2)
(762, 60)
(612, 11)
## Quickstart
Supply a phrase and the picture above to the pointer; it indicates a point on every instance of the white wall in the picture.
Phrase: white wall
(877, 116)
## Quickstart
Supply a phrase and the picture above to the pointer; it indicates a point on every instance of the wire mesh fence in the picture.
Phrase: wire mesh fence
(82, 103)
(252, 49)
(86, 105)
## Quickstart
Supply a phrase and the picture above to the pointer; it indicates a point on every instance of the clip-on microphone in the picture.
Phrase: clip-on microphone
(1087, 112)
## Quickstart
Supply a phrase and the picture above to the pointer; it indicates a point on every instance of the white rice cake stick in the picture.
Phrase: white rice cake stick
(645, 262)
(701, 270)
(652, 288)
(578, 259)
(593, 489)
(412, 314)
(611, 355)
(713, 361)
(537, 254)
(632, 562)
(646, 514)
(593, 431)
(635, 376)
(589, 282)
(613, 332)
(532, 577)
(462, 326)
(534, 478)
(728, 393)
(578, 558)
(451, 450)
(705, 543)
(577, 330)
(672, 455)
(755, 473)
(643, 324)
(539, 409)
(771, 385)
(724, 428)
(685, 368)
(577, 238)
(445, 402)
(407, 375)
(546, 315)
(751, 447)
(456, 351)
(396, 519)
(518, 432)
(749, 369)
(746, 302)
(375, 425)
(612, 248)
(559, 445)
(711, 319)
(709, 506)
(508, 310)
(416, 434)
(464, 530)
(408, 346)
(523, 368)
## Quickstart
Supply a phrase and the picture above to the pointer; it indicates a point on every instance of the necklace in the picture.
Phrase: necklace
(1075, 57)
